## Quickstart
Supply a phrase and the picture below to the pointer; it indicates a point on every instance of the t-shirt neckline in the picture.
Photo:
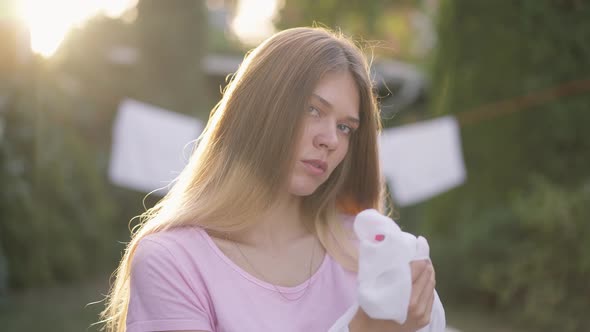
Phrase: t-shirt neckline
(283, 289)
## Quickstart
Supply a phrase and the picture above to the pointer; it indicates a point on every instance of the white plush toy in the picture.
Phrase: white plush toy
(384, 276)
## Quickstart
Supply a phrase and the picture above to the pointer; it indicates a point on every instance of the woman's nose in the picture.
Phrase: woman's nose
(327, 138)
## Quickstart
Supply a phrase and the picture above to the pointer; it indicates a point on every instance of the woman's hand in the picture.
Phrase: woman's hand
(421, 300)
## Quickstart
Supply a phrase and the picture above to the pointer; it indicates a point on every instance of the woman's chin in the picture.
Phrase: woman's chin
(303, 191)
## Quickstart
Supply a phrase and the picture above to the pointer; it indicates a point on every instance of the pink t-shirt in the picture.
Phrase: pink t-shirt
(180, 280)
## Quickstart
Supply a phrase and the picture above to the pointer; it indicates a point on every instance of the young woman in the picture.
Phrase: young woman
(255, 235)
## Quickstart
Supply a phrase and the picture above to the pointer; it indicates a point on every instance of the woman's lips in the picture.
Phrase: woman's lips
(315, 166)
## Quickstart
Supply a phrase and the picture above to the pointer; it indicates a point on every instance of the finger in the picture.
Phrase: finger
(427, 296)
(417, 267)
(429, 283)
(419, 287)
(430, 303)
(428, 310)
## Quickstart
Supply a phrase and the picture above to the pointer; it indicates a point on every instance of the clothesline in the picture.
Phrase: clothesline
(513, 105)
(507, 106)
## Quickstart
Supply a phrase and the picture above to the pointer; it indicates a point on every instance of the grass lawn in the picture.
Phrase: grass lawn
(62, 309)
(66, 309)
(468, 320)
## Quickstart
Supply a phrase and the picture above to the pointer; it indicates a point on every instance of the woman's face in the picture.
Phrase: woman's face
(329, 121)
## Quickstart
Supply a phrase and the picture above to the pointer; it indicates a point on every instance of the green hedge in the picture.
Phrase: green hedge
(57, 211)
(508, 240)
(60, 218)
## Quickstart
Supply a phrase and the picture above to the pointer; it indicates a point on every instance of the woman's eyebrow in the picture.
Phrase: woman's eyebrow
(323, 101)
(330, 106)
(353, 119)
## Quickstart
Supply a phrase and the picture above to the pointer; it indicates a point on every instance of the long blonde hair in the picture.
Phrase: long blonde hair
(246, 152)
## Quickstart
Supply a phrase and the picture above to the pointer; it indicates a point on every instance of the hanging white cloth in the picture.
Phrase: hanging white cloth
(150, 146)
(422, 160)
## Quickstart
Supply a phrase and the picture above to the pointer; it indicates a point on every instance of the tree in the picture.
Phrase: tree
(518, 164)
(172, 42)
(389, 23)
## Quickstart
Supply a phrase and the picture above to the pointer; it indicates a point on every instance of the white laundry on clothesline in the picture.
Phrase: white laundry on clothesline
(149, 146)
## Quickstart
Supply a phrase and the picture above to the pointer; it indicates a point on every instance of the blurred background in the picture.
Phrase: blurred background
(85, 85)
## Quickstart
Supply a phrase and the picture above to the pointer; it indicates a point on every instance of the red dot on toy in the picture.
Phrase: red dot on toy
(379, 237)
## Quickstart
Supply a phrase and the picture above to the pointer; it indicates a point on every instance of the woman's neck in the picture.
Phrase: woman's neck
(277, 227)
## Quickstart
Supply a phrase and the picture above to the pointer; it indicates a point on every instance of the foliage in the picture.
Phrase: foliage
(390, 26)
(60, 218)
(57, 217)
(358, 14)
(547, 270)
(505, 241)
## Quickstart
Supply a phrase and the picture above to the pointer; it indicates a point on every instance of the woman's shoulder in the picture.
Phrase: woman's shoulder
(167, 291)
(175, 244)
(178, 235)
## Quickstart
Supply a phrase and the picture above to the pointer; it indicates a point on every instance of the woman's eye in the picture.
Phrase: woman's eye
(314, 111)
(345, 129)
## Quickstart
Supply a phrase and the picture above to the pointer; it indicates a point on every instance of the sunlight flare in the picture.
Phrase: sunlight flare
(253, 21)
(50, 21)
